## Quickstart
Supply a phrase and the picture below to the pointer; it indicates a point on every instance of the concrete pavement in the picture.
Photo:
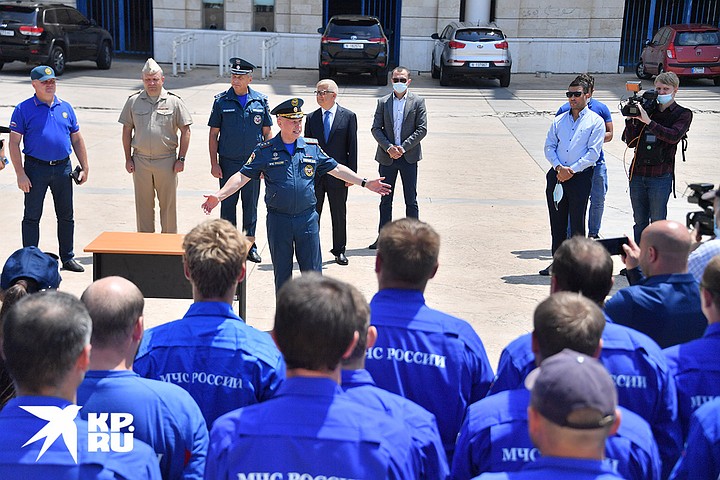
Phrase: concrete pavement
(481, 182)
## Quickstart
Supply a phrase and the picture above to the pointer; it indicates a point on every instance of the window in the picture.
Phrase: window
(213, 14)
(264, 15)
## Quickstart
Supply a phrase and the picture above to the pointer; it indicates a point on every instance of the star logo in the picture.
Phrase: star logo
(60, 424)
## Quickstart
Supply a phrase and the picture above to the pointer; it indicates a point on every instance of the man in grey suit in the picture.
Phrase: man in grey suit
(399, 124)
(335, 129)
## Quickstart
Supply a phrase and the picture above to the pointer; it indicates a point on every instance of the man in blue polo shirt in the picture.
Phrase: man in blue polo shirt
(239, 120)
(635, 362)
(494, 436)
(572, 412)
(663, 300)
(49, 131)
(311, 428)
(46, 345)
(429, 357)
(164, 415)
(210, 352)
(359, 384)
(695, 366)
(702, 450)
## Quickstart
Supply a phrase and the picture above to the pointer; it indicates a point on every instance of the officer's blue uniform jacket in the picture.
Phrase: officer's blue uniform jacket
(695, 366)
(421, 424)
(557, 468)
(313, 429)
(702, 451)
(45, 129)
(494, 438)
(164, 416)
(289, 179)
(18, 426)
(240, 127)
(639, 370)
(666, 308)
(434, 359)
(210, 352)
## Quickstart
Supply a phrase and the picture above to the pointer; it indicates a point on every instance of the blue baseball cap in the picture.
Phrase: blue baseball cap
(32, 263)
(42, 73)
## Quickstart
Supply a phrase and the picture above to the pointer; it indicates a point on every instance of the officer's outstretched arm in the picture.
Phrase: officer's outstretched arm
(376, 185)
(234, 183)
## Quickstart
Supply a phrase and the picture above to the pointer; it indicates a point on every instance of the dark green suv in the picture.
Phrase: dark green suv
(354, 44)
(52, 35)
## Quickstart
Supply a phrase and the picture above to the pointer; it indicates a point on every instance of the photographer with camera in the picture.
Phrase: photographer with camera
(703, 252)
(654, 134)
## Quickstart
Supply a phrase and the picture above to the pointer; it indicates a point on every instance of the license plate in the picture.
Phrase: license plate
(698, 69)
(479, 64)
(355, 46)
(7, 33)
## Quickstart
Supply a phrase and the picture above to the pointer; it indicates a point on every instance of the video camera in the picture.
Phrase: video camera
(706, 217)
(648, 100)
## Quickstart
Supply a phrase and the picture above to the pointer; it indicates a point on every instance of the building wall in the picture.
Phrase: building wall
(561, 36)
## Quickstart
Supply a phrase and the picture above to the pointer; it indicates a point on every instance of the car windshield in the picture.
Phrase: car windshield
(479, 35)
(363, 29)
(691, 39)
(13, 14)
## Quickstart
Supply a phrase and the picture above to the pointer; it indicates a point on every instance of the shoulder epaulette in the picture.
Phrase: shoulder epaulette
(136, 93)
(174, 95)
(311, 141)
(220, 95)
(264, 144)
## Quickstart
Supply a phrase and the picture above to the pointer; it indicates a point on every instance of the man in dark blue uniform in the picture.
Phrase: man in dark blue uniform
(290, 164)
(49, 130)
(240, 119)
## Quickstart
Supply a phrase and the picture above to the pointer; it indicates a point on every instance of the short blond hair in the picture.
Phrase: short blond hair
(668, 78)
(215, 255)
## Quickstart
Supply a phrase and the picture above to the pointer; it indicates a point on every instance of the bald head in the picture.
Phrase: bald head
(115, 305)
(665, 246)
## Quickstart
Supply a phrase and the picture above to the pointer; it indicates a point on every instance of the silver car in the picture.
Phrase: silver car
(471, 50)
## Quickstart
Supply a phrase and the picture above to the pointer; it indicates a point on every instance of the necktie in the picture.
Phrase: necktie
(326, 124)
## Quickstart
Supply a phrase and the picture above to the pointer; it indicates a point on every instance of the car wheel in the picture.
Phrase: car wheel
(323, 73)
(57, 60)
(434, 72)
(444, 76)
(640, 71)
(104, 59)
(505, 80)
(381, 76)
(716, 80)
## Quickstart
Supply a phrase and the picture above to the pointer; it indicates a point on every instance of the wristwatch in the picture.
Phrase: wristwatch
(181, 159)
(364, 181)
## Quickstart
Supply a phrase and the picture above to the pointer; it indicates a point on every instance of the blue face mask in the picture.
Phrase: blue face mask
(663, 99)
(400, 87)
(716, 230)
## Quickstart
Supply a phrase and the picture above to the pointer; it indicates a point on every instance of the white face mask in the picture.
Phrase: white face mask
(557, 194)
(663, 99)
(400, 87)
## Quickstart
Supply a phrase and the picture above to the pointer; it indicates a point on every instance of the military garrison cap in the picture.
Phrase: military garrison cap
(289, 109)
(238, 66)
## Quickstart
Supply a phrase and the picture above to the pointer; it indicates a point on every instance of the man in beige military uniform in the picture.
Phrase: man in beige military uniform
(155, 115)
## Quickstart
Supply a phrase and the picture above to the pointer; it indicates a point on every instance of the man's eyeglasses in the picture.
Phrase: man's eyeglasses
(401, 80)
(573, 94)
(322, 93)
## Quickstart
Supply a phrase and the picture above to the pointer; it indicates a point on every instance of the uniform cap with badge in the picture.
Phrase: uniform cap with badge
(289, 109)
(42, 73)
(238, 66)
(32, 263)
(151, 67)
(573, 390)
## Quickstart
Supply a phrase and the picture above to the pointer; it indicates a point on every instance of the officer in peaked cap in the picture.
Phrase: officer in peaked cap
(240, 119)
(289, 164)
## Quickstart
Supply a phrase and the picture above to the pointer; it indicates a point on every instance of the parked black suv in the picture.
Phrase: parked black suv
(354, 44)
(52, 35)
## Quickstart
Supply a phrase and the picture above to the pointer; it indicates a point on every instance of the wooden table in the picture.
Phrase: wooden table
(152, 261)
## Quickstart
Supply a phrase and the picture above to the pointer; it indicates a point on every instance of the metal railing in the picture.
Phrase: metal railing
(229, 47)
(183, 46)
(269, 57)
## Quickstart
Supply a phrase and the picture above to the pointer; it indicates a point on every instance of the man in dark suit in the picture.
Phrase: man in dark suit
(335, 128)
(399, 124)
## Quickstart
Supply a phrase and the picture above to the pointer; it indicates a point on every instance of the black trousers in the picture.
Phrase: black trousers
(337, 197)
(573, 205)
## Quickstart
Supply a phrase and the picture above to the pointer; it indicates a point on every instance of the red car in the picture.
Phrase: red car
(690, 50)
